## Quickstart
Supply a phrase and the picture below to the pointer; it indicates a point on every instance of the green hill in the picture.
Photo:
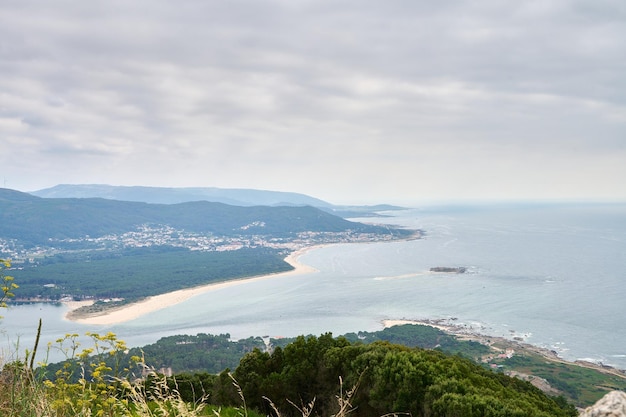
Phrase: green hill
(100, 248)
(319, 375)
(200, 358)
(34, 221)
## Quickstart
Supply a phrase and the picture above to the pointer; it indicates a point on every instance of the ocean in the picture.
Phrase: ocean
(551, 275)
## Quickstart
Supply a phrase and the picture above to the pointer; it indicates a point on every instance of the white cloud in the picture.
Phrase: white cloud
(343, 100)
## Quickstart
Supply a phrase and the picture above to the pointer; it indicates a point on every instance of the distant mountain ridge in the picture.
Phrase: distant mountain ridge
(35, 220)
(165, 195)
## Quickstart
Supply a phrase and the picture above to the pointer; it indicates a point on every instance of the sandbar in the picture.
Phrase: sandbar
(154, 303)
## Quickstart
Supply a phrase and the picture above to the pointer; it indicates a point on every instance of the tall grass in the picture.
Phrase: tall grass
(93, 389)
(87, 387)
(99, 390)
(83, 387)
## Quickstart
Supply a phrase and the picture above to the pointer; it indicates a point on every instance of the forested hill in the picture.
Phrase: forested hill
(63, 247)
(372, 379)
(33, 220)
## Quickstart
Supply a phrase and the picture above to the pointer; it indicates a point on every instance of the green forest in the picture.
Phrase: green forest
(202, 362)
(386, 378)
(321, 375)
(141, 272)
(215, 353)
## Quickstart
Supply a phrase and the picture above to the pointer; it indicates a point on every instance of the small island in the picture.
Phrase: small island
(449, 269)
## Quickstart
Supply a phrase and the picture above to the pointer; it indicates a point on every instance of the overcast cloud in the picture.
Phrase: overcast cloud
(348, 101)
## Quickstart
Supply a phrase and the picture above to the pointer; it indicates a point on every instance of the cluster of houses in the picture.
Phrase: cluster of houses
(164, 235)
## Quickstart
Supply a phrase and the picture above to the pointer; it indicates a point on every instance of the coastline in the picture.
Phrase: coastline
(463, 333)
(154, 303)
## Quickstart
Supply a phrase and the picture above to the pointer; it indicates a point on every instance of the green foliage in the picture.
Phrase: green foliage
(126, 275)
(391, 378)
(200, 353)
(308, 373)
(215, 353)
(20, 393)
(6, 282)
(183, 354)
(581, 385)
(7, 286)
(30, 394)
(189, 356)
(426, 337)
(97, 386)
(87, 386)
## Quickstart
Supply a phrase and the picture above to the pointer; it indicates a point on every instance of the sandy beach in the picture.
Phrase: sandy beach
(132, 311)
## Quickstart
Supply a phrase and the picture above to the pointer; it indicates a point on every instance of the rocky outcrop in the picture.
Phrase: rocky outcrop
(612, 404)
(449, 269)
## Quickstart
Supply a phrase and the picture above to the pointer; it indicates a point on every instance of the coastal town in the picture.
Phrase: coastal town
(148, 235)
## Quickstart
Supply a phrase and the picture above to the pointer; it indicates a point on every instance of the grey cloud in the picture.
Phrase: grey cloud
(241, 83)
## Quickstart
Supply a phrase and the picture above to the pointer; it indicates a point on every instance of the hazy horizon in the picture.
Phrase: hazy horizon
(423, 203)
(349, 102)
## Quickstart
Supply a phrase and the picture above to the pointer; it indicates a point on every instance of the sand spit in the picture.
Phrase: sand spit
(132, 311)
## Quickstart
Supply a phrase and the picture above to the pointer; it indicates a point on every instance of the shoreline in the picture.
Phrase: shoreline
(463, 333)
(154, 303)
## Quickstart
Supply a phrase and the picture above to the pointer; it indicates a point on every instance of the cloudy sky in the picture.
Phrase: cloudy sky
(350, 101)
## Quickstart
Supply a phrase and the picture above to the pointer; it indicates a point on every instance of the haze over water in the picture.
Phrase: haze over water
(554, 275)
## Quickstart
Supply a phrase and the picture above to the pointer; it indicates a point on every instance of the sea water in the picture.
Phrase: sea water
(552, 275)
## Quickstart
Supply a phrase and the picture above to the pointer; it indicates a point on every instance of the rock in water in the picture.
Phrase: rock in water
(612, 404)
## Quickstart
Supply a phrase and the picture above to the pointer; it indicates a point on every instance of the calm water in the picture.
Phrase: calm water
(554, 275)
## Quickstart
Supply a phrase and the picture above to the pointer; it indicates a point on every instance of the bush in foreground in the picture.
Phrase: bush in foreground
(312, 376)
(390, 379)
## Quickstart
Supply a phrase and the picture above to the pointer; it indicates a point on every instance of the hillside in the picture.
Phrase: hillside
(34, 220)
(314, 372)
(64, 247)
(165, 195)
(201, 353)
